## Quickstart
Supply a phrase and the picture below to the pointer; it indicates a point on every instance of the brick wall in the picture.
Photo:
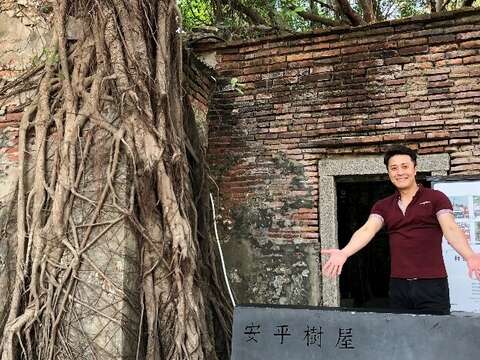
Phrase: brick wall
(343, 91)
(8, 152)
(23, 37)
(199, 84)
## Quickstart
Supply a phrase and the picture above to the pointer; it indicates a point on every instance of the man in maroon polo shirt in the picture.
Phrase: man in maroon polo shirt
(416, 218)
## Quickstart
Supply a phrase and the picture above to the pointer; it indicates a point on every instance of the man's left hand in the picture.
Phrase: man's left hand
(473, 263)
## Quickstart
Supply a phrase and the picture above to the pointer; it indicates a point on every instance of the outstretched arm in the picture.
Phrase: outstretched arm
(361, 237)
(457, 239)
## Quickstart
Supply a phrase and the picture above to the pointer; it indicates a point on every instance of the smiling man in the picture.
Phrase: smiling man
(416, 218)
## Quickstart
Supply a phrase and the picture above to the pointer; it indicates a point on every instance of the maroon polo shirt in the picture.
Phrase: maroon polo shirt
(415, 236)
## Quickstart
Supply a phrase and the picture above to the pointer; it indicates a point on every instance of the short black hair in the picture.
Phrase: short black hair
(399, 150)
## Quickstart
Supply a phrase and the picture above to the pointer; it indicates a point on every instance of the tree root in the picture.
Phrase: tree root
(120, 81)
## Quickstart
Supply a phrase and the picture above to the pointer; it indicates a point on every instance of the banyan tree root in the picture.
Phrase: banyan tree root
(120, 77)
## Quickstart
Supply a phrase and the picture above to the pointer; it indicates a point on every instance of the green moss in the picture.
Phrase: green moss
(298, 182)
(249, 217)
(287, 166)
(295, 204)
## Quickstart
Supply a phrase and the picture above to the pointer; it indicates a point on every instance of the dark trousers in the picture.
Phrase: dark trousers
(420, 296)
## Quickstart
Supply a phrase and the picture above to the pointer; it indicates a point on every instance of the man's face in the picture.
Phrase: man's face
(402, 171)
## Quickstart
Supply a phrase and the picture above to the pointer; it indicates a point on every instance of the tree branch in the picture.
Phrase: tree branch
(272, 15)
(438, 5)
(325, 5)
(251, 13)
(387, 12)
(368, 12)
(351, 15)
(217, 10)
(315, 18)
(445, 4)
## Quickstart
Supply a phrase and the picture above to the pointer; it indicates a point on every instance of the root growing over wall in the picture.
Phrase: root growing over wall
(121, 78)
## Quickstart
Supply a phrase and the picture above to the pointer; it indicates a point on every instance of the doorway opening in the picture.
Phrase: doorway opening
(365, 276)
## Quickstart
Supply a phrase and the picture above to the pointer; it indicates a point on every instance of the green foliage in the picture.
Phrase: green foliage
(236, 85)
(289, 12)
(277, 13)
(196, 13)
(287, 15)
(47, 55)
(51, 56)
(408, 8)
(455, 4)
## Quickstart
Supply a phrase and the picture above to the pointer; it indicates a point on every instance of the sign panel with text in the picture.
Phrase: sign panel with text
(465, 198)
(285, 333)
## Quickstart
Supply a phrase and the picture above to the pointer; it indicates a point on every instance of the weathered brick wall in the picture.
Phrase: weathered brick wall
(199, 84)
(23, 37)
(344, 91)
(8, 151)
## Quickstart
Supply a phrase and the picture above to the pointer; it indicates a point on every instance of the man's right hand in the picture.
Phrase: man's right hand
(333, 266)
(360, 238)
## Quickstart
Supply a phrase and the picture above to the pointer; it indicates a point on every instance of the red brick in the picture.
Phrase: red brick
(354, 49)
(278, 129)
(301, 64)
(413, 50)
(368, 150)
(412, 42)
(436, 39)
(274, 59)
(231, 57)
(438, 77)
(460, 53)
(434, 144)
(440, 134)
(470, 44)
(393, 137)
(449, 62)
(326, 53)
(432, 150)
(299, 57)
(398, 60)
(4, 124)
(471, 59)
(13, 117)
(464, 35)
(265, 136)
(415, 136)
(253, 48)
(471, 167)
(288, 50)
(317, 46)
(464, 160)
(459, 141)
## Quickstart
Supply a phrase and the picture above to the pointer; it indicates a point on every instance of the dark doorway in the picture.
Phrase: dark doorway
(365, 276)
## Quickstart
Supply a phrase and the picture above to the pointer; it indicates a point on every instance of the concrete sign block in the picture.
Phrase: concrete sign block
(285, 333)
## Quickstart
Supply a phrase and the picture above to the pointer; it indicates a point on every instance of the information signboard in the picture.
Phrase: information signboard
(465, 198)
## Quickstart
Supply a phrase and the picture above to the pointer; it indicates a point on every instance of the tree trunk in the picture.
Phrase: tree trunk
(368, 10)
(121, 78)
(349, 13)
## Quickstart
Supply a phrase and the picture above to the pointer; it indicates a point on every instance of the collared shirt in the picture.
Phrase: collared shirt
(415, 234)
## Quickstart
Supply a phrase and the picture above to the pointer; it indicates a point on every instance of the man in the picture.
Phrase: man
(415, 218)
